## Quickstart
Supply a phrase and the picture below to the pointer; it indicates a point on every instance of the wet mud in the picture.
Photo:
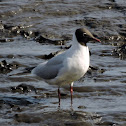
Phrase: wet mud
(32, 32)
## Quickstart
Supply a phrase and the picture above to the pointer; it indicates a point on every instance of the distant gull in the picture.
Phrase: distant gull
(69, 66)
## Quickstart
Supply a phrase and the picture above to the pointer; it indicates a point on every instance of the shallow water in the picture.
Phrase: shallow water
(99, 97)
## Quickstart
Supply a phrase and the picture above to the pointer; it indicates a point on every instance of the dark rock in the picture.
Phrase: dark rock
(93, 68)
(94, 71)
(1, 26)
(123, 33)
(77, 124)
(120, 51)
(12, 101)
(66, 47)
(5, 67)
(81, 107)
(24, 34)
(49, 56)
(27, 118)
(29, 69)
(101, 70)
(8, 30)
(36, 33)
(42, 39)
(23, 88)
(6, 40)
(3, 40)
(108, 124)
(112, 0)
(8, 27)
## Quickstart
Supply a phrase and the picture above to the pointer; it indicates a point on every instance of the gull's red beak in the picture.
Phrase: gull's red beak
(96, 39)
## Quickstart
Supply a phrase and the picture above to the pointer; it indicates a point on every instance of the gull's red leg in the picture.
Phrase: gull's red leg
(71, 91)
(59, 96)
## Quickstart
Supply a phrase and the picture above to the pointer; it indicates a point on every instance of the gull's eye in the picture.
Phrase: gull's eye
(84, 34)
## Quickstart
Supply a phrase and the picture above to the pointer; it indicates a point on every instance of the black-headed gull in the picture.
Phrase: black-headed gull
(69, 66)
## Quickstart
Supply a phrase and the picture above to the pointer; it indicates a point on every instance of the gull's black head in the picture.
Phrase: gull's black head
(83, 36)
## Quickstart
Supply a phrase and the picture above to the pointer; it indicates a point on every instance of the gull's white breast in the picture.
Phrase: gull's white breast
(75, 65)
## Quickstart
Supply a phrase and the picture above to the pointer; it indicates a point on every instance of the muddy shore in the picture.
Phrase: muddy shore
(34, 31)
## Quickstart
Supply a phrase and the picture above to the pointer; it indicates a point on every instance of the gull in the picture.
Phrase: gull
(69, 66)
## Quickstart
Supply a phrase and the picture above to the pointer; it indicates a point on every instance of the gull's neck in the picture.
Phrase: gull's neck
(76, 44)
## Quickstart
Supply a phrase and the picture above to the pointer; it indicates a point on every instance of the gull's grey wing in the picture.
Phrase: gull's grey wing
(46, 71)
(57, 59)
(50, 69)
